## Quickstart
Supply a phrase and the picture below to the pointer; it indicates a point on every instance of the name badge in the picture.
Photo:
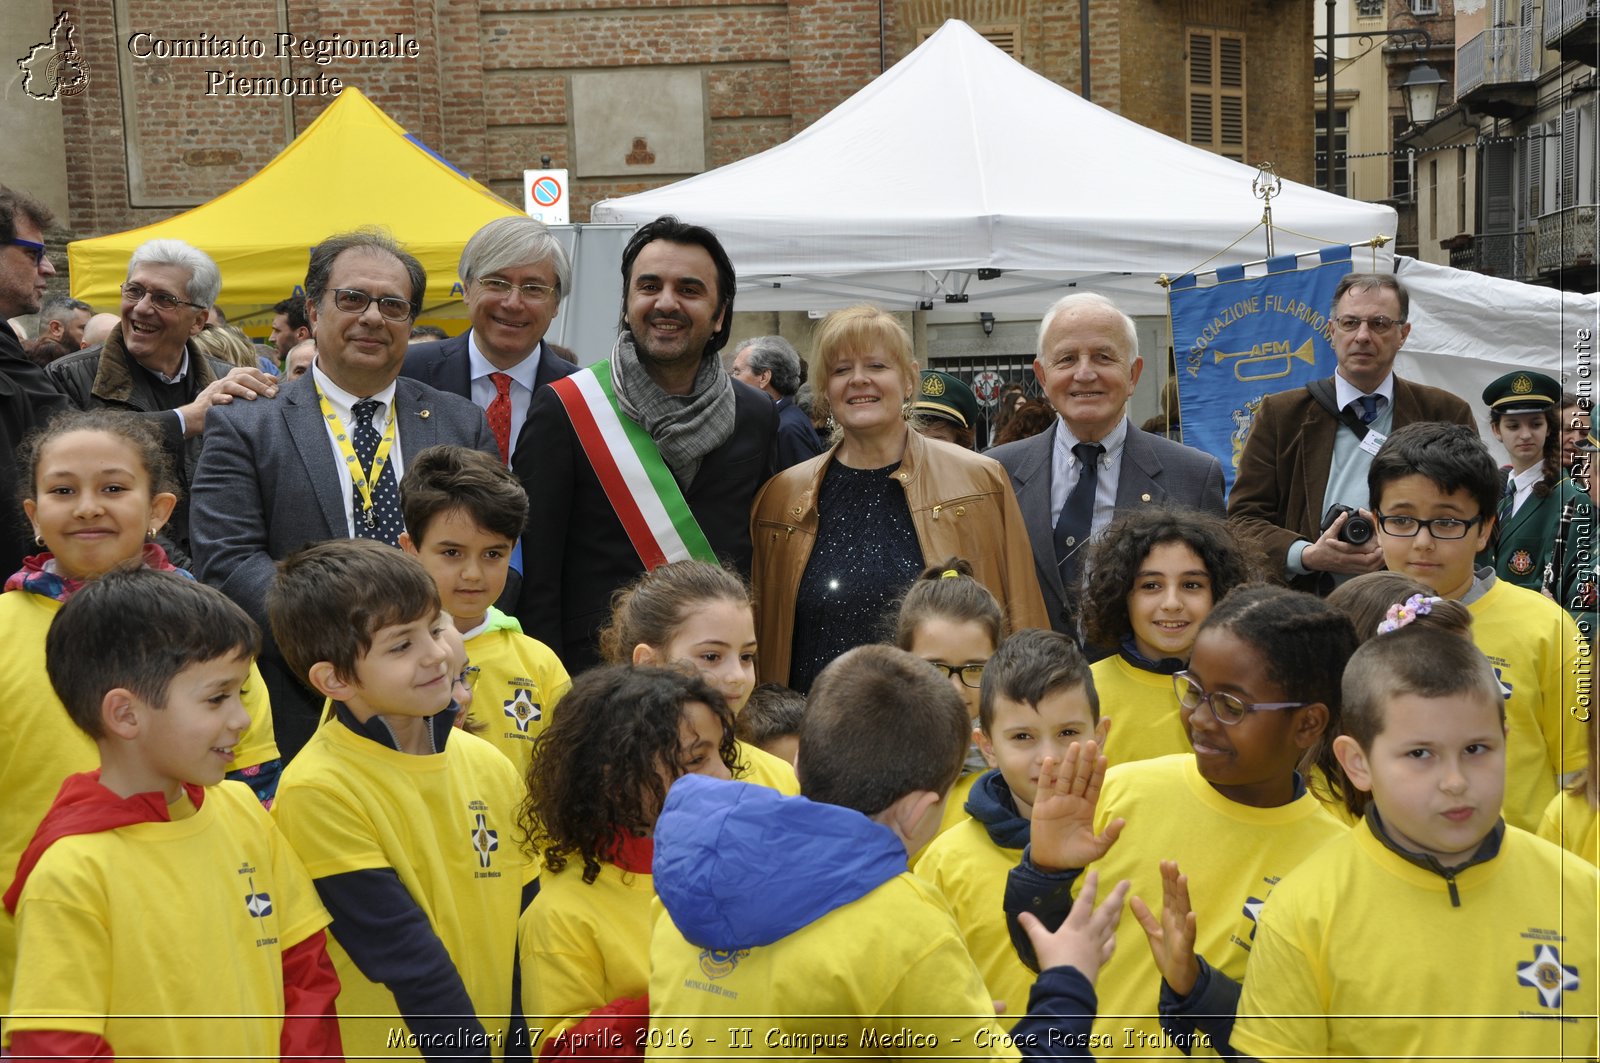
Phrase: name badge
(1372, 442)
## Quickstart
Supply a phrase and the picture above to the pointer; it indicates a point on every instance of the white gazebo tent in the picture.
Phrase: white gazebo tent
(961, 176)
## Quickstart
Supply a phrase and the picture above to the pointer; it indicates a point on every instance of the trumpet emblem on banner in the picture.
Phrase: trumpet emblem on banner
(1274, 356)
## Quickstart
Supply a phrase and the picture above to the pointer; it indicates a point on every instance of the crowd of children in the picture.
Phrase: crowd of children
(1319, 812)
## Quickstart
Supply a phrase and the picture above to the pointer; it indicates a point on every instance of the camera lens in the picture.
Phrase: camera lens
(1357, 530)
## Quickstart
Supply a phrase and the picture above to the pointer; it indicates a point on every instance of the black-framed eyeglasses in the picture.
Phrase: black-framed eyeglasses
(469, 676)
(534, 293)
(355, 301)
(1227, 708)
(1377, 324)
(134, 293)
(1439, 527)
(971, 674)
(33, 247)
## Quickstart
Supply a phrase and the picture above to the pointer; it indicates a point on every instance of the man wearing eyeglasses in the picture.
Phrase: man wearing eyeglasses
(325, 460)
(148, 366)
(516, 274)
(27, 397)
(1310, 448)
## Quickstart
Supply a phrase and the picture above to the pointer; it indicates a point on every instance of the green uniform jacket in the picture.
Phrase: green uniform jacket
(1528, 540)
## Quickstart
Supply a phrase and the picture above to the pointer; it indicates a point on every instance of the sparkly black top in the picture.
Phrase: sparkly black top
(865, 556)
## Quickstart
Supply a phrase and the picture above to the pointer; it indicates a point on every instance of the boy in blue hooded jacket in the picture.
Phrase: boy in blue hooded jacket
(793, 925)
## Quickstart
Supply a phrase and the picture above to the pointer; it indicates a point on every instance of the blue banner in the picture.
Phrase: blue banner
(1243, 338)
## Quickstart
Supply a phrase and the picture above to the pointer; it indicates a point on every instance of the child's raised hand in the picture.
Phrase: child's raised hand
(1171, 936)
(1088, 936)
(1063, 834)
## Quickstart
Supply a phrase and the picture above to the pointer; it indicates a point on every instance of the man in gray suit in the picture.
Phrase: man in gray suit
(1075, 477)
(275, 476)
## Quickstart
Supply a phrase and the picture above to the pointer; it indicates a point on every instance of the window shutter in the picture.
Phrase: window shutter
(1569, 160)
(1216, 92)
(1498, 208)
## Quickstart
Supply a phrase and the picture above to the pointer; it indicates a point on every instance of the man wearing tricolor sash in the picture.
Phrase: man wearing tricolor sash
(653, 455)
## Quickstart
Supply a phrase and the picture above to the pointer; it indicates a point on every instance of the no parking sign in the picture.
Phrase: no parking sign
(544, 195)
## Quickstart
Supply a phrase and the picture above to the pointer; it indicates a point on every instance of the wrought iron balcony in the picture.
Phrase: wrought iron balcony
(1566, 240)
(1497, 72)
(1572, 27)
(1501, 255)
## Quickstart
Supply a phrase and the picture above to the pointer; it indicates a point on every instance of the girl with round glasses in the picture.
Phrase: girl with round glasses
(1205, 835)
(951, 621)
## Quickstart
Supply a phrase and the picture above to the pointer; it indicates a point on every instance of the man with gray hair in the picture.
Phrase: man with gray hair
(1093, 463)
(149, 365)
(516, 274)
(771, 364)
(62, 319)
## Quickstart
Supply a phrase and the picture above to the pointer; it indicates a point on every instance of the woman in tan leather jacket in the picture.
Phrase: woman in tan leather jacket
(839, 538)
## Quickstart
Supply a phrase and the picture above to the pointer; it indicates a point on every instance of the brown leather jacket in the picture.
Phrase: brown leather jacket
(961, 504)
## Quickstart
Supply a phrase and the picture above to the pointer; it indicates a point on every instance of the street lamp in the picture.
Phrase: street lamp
(1420, 88)
(1421, 93)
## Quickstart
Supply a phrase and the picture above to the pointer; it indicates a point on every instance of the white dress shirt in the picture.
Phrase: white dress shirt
(343, 404)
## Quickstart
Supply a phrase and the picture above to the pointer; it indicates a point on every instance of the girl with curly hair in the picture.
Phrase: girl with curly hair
(598, 778)
(1152, 579)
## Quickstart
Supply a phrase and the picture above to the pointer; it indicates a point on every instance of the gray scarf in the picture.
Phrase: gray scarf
(685, 427)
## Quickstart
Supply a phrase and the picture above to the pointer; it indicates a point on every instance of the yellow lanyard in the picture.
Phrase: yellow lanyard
(362, 479)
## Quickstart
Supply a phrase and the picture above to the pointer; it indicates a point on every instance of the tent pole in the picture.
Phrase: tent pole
(1083, 44)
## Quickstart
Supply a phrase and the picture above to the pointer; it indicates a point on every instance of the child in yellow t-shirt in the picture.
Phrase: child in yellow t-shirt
(953, 622)
(1038, 699)
(792, 927)
(463, 512)
(104, 472)
(598, 778)
(1572, 819)
(771, 719)
(1491, 929)
(404, 821)
(1434, 490)
(1153, 578)
(699, 615)
(1261, 703)
(159, 912)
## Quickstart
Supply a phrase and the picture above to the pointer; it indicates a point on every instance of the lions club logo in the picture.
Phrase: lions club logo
(1548, 975)
(484, 840)
(1522, 562)
(522, 709)
(718, 963)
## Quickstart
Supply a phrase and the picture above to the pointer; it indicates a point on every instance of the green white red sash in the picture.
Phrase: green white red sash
(637, 482)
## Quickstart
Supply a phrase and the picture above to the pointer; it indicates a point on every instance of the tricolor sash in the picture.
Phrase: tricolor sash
(637, 482)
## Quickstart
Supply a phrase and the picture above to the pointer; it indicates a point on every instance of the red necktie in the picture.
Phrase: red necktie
(499, 412)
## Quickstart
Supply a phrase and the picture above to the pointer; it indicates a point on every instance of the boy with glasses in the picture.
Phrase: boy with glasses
(1310, 448)
(1434, 491)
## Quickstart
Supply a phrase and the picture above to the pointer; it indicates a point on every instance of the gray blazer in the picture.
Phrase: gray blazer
(267, 485)
(1154, 471)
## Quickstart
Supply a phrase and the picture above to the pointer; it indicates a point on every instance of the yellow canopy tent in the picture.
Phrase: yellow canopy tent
(354, 166)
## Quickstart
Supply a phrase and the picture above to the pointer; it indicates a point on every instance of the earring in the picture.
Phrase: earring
(150, 537)
(38, 540)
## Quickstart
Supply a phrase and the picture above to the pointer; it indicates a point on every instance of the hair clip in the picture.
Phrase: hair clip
(949, 573)
(1402, 613)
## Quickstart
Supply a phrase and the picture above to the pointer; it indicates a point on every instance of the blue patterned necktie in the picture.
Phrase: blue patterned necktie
(1369, 408)
(1076, 522)
(385, 523)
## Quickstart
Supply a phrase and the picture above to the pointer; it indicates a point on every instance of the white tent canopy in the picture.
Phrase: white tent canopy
(1468, 329)
(959, 161)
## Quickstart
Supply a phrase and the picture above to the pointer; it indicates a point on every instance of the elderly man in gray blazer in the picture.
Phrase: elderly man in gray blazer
(276, 476)
(1093, 463)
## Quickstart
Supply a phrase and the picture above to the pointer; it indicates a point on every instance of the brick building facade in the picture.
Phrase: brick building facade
(497, 84)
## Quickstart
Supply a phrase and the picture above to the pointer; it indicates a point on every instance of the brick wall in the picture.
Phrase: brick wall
(490, 90)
